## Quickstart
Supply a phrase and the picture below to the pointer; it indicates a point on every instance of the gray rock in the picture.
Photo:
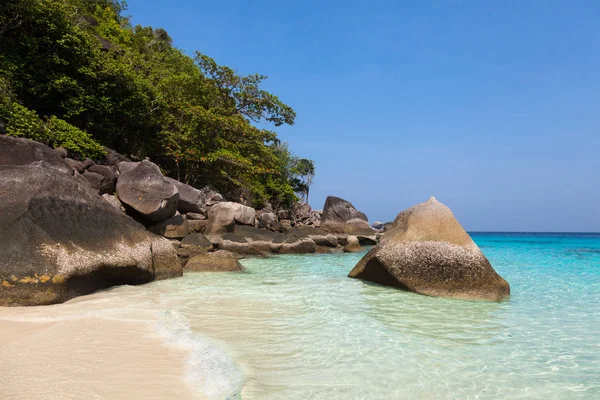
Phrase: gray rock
(99, 183)
(20, 151)
(114, 158)
(381, 226)
(428, 252)
(370, 240)
(302, 211)
(164, 260)
(75, 165)
(286, 224)
(267, 219)
(109, 172)
(352, 245)
(197, 225)
(219, 261)
(196, 240)
(76, 242)
(284, 214)
(340, 216)
(152, 197)
(62, 152)
(175, 227)
(240, 245)
(87, 163)
(114, 201)
(320, 236)
(195, 216)
(292, 244)
(124, 166)
(223, 216)
(378, 225)
(192, 200)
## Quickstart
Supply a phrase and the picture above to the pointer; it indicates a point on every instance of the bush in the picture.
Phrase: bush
(77, 142)
(22, 122)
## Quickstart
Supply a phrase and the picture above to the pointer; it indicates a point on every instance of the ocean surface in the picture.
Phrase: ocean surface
(295, 327)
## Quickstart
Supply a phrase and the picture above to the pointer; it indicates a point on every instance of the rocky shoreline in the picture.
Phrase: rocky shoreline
(70, 227)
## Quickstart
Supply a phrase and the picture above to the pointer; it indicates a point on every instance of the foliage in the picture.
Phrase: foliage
(77, 142)
(23, 122)
(80, 75)
(304, 171)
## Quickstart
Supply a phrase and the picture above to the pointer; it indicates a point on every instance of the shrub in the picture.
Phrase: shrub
(22, 122)
(76, 141)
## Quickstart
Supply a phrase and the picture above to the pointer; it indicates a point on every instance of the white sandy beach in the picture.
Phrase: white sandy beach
(87, 358)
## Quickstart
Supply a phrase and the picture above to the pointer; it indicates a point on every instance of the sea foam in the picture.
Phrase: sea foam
(209, 369)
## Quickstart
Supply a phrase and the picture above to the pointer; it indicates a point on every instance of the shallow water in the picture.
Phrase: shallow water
(295, 327)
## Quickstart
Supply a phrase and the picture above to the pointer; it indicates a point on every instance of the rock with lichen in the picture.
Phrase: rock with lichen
(427, 251)
(60, 239)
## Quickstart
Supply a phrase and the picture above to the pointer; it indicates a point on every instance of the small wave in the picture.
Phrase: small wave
(209, 369)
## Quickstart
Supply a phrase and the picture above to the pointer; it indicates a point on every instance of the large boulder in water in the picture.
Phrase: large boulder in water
(149, 195)
(340, 216)
(192, 200)
(59, 239)
(428, 252)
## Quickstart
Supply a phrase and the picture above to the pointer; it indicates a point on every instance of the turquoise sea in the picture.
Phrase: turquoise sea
(298, 328)
(295, 327)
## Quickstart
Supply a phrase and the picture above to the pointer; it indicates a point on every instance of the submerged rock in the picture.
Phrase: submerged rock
(340, 216)
(426, 251)
(60, 240)
(219, 261)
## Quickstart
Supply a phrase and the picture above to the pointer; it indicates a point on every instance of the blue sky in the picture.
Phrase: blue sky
(491, 106)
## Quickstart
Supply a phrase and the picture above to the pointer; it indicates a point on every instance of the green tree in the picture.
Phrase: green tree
(81, 76)
(304, 173)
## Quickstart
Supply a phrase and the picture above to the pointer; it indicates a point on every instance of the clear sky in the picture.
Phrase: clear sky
(491, 106)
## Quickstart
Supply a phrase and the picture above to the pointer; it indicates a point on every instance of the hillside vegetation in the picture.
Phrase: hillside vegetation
(77, 74)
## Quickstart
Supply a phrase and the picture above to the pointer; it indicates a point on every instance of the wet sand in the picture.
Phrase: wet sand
(87, 358)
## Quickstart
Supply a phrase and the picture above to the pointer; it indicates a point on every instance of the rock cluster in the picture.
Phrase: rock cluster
(69, 227)
(60, 239)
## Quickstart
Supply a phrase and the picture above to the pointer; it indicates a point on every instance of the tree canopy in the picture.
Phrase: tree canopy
(77, 74)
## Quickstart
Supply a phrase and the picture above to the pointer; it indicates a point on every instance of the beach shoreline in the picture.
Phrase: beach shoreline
(88, 357)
